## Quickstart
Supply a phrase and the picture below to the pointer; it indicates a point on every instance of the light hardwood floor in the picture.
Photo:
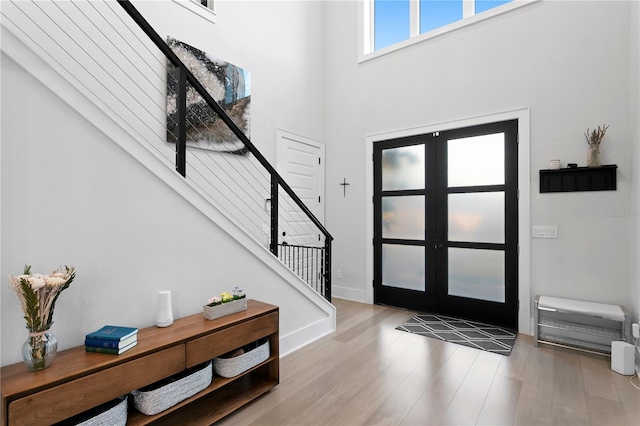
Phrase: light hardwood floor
(368, 373)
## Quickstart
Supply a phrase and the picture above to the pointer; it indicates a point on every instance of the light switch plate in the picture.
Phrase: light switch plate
(545, 232)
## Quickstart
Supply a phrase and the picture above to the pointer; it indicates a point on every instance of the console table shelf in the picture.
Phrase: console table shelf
(80, 380)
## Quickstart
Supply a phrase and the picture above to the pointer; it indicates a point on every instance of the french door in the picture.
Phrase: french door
(446, 222)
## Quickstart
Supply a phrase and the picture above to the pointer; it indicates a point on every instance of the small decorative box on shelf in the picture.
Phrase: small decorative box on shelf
(579, 179)
(219, 311)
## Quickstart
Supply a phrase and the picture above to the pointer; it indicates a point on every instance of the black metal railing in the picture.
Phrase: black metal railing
(311, 264)
(308, 263)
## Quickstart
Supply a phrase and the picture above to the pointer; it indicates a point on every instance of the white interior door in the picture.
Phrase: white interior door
(300, 161)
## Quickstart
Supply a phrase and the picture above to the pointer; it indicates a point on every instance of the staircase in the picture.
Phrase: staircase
(113, 71)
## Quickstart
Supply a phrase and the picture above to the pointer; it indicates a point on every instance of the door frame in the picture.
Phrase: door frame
(524, 199)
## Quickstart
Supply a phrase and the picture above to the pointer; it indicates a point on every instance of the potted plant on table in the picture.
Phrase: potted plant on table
(225, 304)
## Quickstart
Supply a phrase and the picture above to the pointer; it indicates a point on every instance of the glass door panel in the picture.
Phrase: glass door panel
(476, 160)
(403, 217)
(476, 217)
(403, 267)
(477, 274)
(403, 168)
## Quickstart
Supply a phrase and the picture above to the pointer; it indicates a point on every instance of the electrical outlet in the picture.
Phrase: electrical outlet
(338, 274)
(545, 232)
(266, 229)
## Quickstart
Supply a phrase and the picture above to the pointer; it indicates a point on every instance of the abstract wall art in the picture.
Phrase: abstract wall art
(230, 87)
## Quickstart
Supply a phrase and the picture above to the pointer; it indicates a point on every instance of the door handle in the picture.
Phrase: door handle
(440, 238)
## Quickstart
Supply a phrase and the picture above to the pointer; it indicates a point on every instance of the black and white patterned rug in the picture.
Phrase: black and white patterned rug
(463, 332)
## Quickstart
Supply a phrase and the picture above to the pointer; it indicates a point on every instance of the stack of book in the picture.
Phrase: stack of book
(111, 339)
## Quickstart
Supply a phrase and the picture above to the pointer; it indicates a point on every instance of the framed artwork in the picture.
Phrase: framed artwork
(228, 84)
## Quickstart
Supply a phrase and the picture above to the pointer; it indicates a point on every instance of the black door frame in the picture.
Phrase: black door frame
(436, 245)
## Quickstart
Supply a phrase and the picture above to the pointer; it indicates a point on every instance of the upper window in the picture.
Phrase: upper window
(391, 24)
(207, 3)
(202, 8)
(398, 20)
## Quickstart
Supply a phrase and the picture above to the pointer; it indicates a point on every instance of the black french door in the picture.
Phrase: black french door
(446, 223)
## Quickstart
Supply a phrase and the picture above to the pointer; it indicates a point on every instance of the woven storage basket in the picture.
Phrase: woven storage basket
(166, 393)
(231, 367)
(112, 413)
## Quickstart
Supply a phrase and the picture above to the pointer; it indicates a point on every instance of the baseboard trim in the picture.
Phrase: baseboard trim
(299, 338)
(349, 294)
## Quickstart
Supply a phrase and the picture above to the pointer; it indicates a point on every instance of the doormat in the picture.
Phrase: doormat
(477, 335)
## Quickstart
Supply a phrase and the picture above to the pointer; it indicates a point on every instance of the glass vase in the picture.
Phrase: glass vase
(40, 348)
(593, 157)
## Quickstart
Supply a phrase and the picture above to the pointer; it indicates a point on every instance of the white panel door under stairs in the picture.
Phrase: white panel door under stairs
(301, 163)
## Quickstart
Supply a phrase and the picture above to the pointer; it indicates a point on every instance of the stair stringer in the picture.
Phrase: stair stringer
(81, 100)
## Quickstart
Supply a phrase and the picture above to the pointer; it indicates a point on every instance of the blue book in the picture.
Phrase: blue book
(113, 332)
(110, 344)
(110, 351)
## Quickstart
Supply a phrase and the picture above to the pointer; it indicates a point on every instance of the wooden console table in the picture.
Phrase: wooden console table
(80, 380)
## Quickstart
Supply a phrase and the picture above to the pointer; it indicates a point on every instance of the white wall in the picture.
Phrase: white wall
(567, 61)
(70, 194)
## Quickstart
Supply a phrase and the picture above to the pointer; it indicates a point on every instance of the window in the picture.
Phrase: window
(207, 3)
(393, 18)
(392, 24)
(202, 8)
(436, 14)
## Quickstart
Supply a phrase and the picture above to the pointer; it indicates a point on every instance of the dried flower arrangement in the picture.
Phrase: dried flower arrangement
(37, 295)
(594, 139)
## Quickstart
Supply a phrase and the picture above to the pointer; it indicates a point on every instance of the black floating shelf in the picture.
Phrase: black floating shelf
(579, 179)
